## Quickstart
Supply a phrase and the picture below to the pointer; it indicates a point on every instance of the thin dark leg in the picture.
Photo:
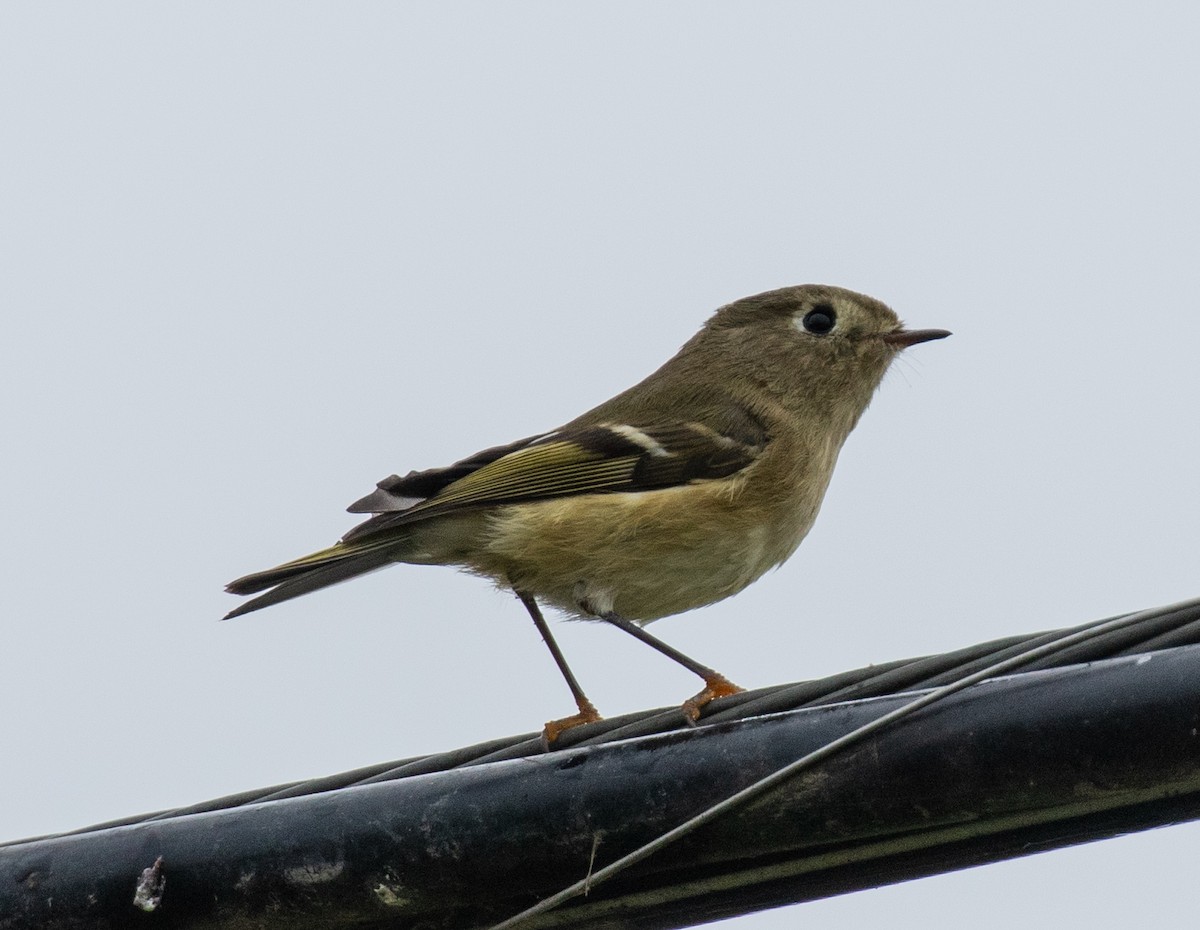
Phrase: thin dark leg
(560, 660)
(587, 710)
(715, 684)
(655, 643)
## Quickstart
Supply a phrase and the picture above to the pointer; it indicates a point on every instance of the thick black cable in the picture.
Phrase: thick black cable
(1055, 646)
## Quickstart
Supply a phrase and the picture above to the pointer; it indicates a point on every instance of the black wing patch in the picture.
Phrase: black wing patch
(400, 492)
(606, 458)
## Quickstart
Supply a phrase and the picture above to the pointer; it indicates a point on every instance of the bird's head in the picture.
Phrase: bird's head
(812, 344)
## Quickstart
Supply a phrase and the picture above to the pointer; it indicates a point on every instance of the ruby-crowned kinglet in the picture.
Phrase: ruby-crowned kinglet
(675, 493)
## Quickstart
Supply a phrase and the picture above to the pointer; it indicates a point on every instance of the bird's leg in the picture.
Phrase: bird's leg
(587, 710)
(715, 684)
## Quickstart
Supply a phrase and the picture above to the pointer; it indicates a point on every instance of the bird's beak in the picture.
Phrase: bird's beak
(903, 338)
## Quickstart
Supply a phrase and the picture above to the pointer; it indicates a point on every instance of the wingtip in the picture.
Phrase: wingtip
(243, 586)
(382, 500)
(366, 504)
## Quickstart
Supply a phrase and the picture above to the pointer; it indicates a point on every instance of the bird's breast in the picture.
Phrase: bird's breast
(650, 554)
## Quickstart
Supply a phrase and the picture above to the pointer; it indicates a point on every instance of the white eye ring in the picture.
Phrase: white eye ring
(817, 321)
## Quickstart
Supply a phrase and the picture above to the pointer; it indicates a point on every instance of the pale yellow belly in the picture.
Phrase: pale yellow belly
(644, 555)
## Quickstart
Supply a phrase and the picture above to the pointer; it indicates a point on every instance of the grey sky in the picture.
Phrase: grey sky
(257, 256)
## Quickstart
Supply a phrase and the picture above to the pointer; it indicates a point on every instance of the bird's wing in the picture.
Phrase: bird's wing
(399, 492)
(582, 459)
(601, 458)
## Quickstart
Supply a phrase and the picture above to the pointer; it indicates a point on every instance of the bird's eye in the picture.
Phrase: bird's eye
(820, 319)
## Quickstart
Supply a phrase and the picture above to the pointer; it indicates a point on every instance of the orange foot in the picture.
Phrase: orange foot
(555, 728)
(715, 686)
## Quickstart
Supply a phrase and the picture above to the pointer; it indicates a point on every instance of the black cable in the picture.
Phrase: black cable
(1159, 628)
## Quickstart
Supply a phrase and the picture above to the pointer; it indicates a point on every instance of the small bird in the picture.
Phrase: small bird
(676, 493)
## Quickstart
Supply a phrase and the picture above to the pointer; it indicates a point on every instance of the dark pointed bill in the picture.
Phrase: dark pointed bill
(910, 337)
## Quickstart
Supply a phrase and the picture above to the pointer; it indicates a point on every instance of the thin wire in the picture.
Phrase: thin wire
(765, 784)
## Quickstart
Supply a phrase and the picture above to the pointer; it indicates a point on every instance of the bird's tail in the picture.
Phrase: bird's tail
(339, 562)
